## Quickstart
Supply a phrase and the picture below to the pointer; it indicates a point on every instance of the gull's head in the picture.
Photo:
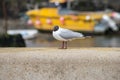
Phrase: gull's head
(55, 28)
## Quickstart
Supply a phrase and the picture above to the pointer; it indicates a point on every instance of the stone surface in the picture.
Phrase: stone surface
(58, 64)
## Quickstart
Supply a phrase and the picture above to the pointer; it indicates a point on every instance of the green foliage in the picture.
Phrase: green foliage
(11, 40)
(38, 0)
(15, 7)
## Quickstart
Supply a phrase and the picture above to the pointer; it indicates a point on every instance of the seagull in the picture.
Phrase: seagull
(65, 35)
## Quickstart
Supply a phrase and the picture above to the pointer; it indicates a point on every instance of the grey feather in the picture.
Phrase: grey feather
(68, 34)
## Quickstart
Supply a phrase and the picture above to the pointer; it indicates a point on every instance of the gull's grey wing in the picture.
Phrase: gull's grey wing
(68, 34)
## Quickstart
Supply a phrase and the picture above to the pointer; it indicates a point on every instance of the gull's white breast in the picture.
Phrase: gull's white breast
(57, 36)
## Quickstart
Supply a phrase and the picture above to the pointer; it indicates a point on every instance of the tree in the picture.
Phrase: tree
(5, 25)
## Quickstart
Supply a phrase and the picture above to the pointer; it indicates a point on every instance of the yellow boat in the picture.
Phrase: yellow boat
(45, 18)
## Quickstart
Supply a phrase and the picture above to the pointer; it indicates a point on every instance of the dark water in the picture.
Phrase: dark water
(46, 40)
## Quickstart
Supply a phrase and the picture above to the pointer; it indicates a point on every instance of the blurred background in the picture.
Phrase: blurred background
(29, 23)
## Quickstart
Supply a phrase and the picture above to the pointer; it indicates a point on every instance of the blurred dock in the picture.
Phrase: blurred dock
(58, 64)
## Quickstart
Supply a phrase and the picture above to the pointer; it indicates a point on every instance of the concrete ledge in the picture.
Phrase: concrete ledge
(57, 64)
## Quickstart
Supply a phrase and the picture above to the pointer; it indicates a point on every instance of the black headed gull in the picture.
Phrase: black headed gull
(65, 35)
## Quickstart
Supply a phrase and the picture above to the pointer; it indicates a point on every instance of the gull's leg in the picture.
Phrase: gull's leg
(65, 45)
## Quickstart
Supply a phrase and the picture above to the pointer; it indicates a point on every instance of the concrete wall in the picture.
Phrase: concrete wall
(57, 64)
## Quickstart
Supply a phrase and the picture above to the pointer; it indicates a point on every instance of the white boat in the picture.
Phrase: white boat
(26, 34)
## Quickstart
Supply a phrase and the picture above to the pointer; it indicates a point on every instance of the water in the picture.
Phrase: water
(46, 40)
